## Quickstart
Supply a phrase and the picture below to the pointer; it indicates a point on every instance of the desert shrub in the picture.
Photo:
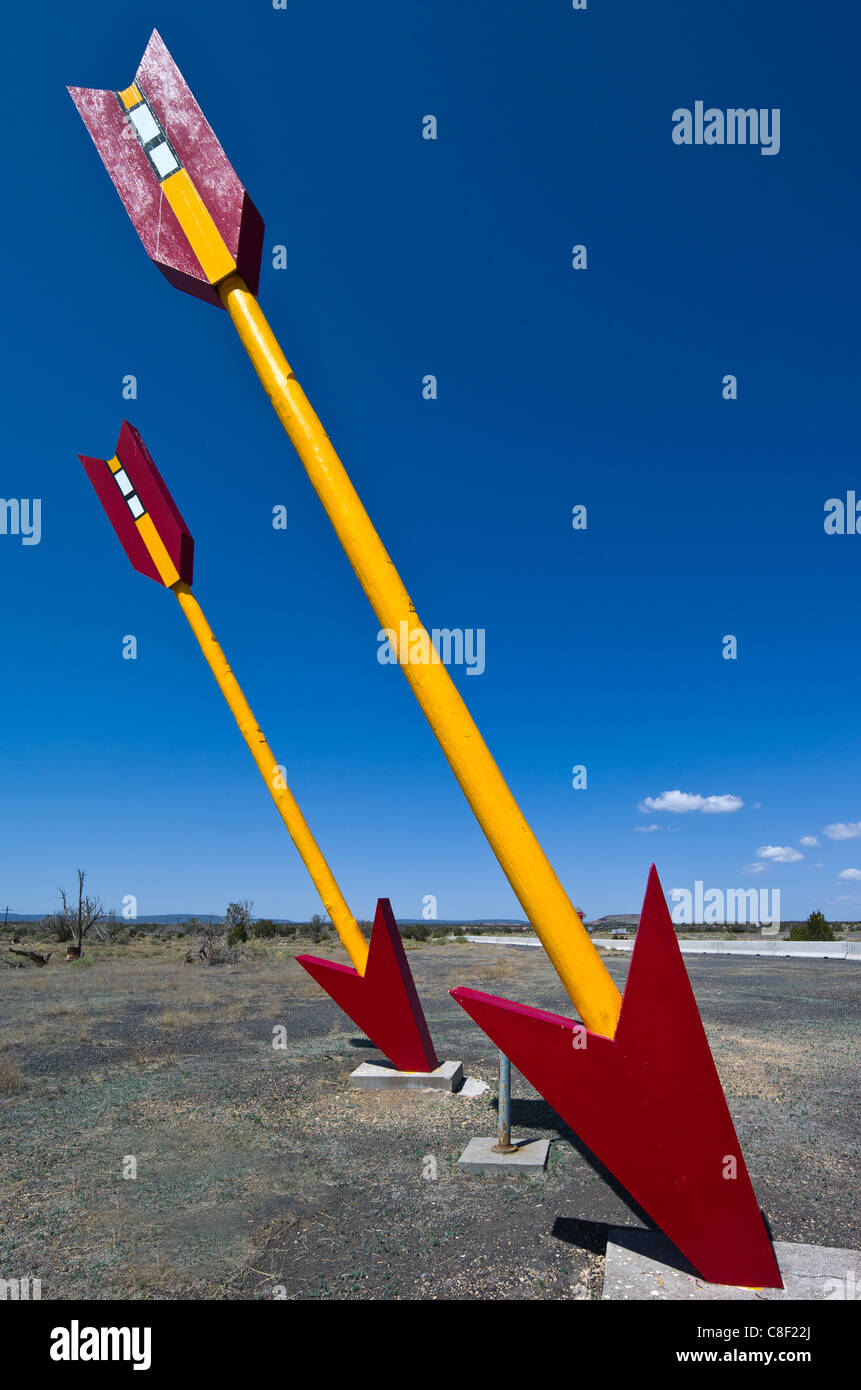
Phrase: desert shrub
(416, 931)
(55, 927)
(266, 929)
(212, 946)
(238, 921)
(319, 929)
(814, 929)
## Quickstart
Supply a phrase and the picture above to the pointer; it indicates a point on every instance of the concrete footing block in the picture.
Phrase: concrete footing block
(375, 1076)
(530, 1157)
(645, 1265)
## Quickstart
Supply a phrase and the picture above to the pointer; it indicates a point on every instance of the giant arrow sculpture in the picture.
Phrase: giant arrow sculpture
(379, 994)
(199, 226)
(649, 1102)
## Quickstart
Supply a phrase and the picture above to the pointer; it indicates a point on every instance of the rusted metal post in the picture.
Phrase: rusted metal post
(503, 1143)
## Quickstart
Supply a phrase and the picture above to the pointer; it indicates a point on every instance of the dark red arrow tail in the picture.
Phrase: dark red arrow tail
(174, 178)
(142, 511)
(383, 1002)
(648, 1103)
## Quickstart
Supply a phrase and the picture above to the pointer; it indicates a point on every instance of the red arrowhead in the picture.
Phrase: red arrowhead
(383, 1002)
(649, 1103)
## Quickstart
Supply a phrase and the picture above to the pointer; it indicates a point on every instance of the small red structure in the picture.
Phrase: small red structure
(648, 1103)
(383, 1002)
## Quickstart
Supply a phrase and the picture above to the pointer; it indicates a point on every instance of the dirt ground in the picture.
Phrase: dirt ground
(261, 1173)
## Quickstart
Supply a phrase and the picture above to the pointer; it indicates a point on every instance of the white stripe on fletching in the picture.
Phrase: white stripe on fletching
(144, 123)
(154, 141)
(162, 159)
(124, 482)
(135, 506)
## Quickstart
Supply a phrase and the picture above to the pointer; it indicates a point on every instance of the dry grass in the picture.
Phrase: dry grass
(11, 1079)
(179, 1018)
(235, 1138)
(487, 970)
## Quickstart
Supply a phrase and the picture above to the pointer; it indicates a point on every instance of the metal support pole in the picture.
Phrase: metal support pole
(503, 1144)
(544, 900)
(297, 827)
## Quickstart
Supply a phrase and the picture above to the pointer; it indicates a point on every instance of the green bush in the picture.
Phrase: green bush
(238, 922)
(416, 931)
(814, 929)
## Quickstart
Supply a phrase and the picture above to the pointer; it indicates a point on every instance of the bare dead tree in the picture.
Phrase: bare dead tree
(108, 929)
(72, 923)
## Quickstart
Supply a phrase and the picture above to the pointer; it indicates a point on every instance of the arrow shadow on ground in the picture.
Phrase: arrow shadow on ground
(592, 1236)
(537, 1114)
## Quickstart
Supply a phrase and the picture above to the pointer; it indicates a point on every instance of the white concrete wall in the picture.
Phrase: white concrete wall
(763, 946)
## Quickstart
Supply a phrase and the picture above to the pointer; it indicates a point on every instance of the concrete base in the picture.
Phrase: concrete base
(472, 1087)
(530, 1157)
(645, 1265)
(374, 1076)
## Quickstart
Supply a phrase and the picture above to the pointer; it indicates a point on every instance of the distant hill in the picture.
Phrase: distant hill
(621, 919)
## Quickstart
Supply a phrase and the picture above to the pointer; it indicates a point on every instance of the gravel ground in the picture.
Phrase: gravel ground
(261, 1174)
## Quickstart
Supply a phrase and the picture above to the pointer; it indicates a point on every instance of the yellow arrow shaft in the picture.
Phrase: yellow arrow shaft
(527, 868)
(312, 856)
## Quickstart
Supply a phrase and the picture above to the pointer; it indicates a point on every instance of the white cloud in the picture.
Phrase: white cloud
(809, 841)
(754, 868)
(843, 830)
(779, 854)
(717, 805)
(847, 874)
(680, 803)
(646, 829)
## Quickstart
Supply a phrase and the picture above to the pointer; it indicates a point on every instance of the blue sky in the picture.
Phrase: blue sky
(556, 387)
